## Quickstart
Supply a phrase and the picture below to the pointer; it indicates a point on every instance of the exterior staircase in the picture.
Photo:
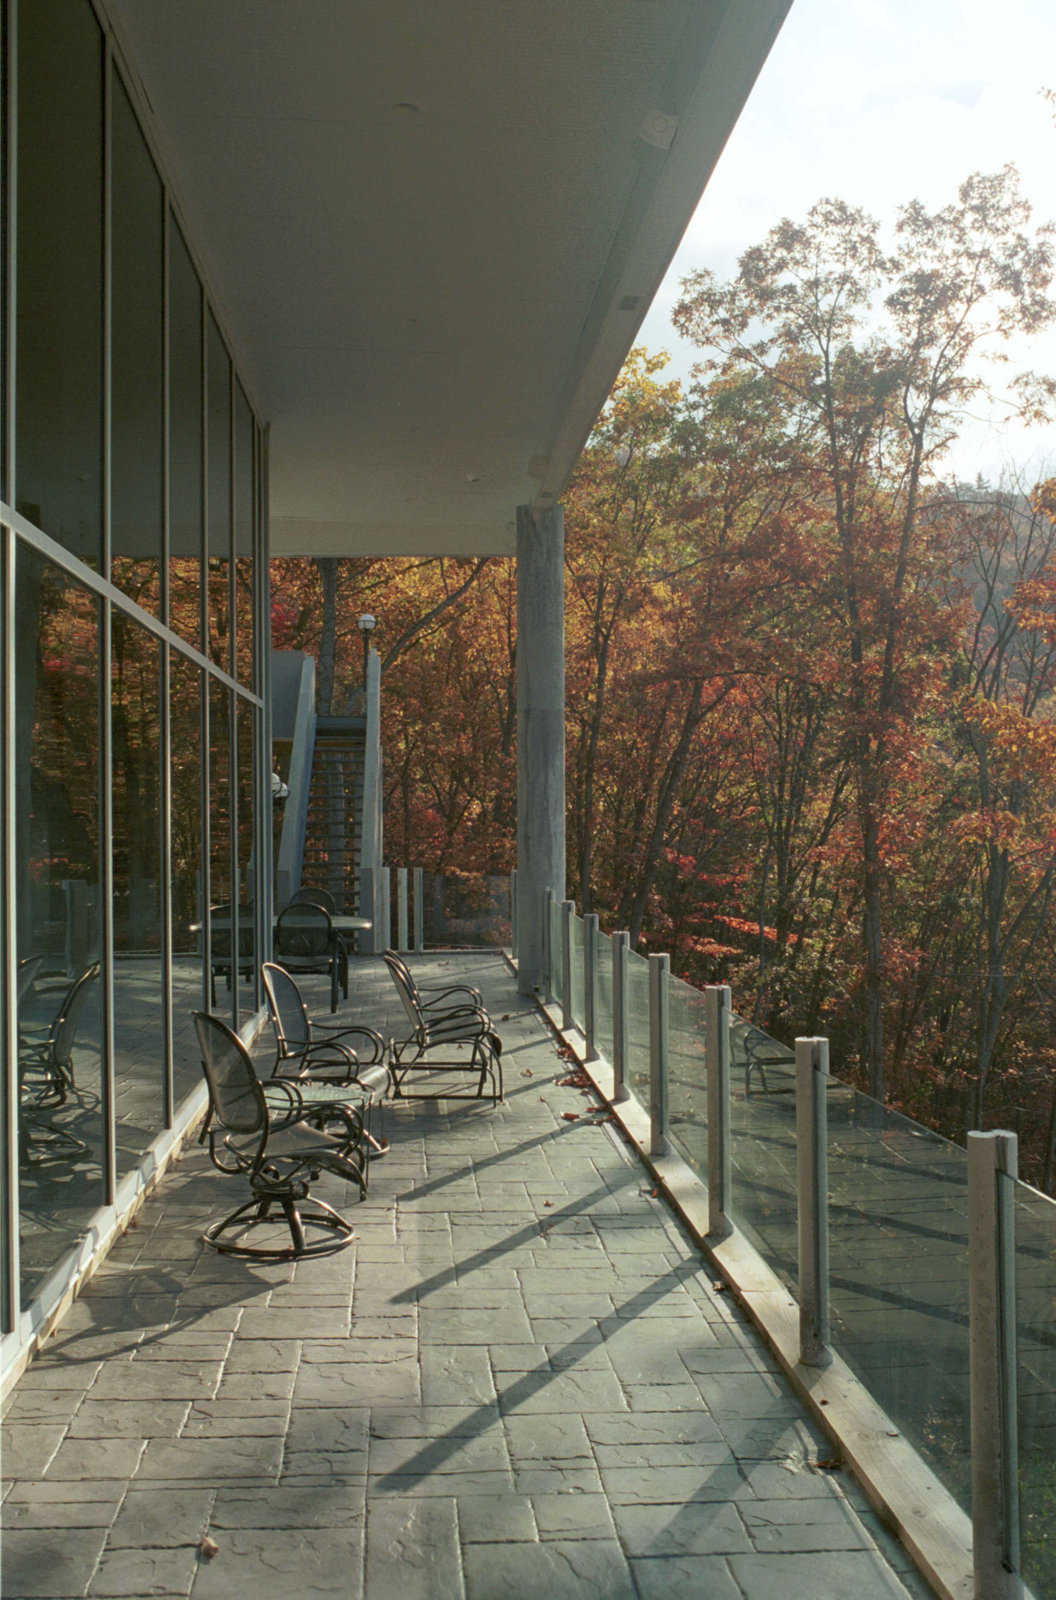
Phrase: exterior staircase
(333, 839)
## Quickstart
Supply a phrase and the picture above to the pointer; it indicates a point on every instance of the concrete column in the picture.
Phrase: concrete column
(540, 728)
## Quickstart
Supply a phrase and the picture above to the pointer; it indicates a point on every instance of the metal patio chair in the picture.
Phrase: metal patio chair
(220, 963)
(306, 941)
(46, 1080)
(321, 1052)
(279, 1136)
(431, 996)
(466, 1027)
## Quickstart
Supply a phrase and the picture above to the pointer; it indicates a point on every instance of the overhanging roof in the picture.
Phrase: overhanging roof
(434, 228)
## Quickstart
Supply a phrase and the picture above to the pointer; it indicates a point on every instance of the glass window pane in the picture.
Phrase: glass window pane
(188, 876)
(139, 1017)
(687, 1087)
(557, 965)
(136, 362)
(603, 1013)
(185, 442)
(220, 895)
(59, 912)
(60, 274)
(578, 1002)
(763, 1132)
(247, 862)
(636, 1069)
(245, 523)
(1035, 1220)
(898, 1266)
(219, 520)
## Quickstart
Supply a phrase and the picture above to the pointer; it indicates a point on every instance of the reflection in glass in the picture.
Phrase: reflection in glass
(139, 1021)
(59, 911)
(763, 1133)
(136, 358)
(557, 965)
(188, 878)
(245, 522)
(185, 442)
(247, 862)
(220, 896)
(578, 1001)
(218, 366)
(60, 284)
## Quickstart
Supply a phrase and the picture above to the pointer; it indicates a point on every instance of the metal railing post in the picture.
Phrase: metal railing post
(513, 913)
(386, 908)
(992, 1168)
(717, 1003)
(402, 940)
(419, 909)
(547, 946)
(590, 983)
(812, 1170)
(568, 911)
(659, 1050)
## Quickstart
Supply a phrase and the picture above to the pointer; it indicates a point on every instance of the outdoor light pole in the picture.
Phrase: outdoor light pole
(367, 624)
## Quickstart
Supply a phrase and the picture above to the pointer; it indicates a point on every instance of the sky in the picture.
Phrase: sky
(879, 102)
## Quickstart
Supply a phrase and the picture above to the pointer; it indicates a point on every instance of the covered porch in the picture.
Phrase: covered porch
(522, 1379)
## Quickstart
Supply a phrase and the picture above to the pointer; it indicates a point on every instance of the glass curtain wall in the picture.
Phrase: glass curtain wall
(132, 582)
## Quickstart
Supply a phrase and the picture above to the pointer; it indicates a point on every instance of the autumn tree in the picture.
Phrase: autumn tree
(874, 353)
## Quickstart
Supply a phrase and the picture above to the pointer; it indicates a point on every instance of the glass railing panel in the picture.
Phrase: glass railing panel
(687, 1083)
(577, 999)
(898, 1265)
(464, 910)
(603, 1000)
(557, 965)
(763, 1145)
(636, 1071)
(1035, 1219)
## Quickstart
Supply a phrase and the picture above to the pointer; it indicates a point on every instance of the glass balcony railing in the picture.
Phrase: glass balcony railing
(895, 1214)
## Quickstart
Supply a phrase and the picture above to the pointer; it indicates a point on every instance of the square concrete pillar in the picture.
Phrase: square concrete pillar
(540, 728)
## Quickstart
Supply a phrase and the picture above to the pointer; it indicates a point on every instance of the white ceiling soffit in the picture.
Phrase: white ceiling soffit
(433, 229)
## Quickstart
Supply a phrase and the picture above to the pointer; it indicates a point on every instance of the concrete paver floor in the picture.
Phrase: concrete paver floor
(519, 1382)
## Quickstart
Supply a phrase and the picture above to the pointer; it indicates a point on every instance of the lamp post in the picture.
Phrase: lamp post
(367, 624)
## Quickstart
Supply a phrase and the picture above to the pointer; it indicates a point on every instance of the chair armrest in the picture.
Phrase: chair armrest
(441, 994)
(339, 1031)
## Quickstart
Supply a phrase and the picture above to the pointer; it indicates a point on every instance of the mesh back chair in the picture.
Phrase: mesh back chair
(45, 1075)
(465, 1028)
(305, 941)
(28, 968)
(279, 1136)
(320, 1052)
(51, 1057)
(315, 897)
(220, 964)
(434, 997)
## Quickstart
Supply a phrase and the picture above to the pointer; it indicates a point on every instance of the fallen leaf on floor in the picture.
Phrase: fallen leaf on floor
(654, 1194)
(719, 1286)
(828, 1463)
(527, 1073)
(570, 1116)
(548, 1202)
(208, 1547)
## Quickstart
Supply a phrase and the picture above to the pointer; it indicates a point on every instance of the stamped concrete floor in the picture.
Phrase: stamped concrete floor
(518, 1383)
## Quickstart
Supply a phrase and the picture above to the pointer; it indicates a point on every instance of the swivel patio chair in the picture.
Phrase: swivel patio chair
(264, 1133)
(220, 963)
(50, 1055)
(466, 1027)
(46, 1081)
(306, 941)
(321, 1052)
